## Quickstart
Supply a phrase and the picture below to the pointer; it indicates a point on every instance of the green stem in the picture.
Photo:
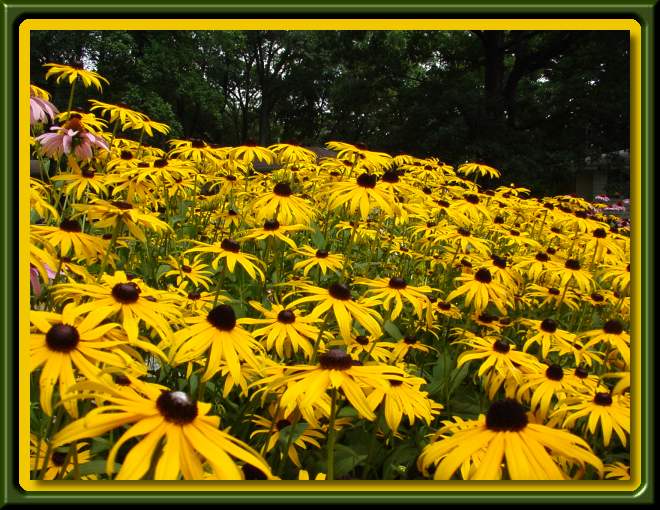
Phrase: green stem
(68, 110)
(332, 437)
(111, 247)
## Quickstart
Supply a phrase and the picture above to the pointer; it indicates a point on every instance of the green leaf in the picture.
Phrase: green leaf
(318, 239)
(291, 432)
(94, 467)
(393, 330)
(345, 460)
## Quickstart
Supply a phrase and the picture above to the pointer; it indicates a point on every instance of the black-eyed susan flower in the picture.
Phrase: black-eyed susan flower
(498, 355)
(291, 152)
(106, 214)
(547, 385)
(614, 335)
(506, 438)
(130, 300)
(116, 112)
(146, 125)
(362, 195)
(60, 342)
(552, 296)
(273, 229)
(572, 273)
(189, 272)
(611, 411)
(250, 152)
(69, 237)
(547, 334)
(478, 169)
(404, 398)
(324, 259)
(364, 348)
(397, 289)
(338, 297)
(305, 385)
(412, 342)
(218, 333)
(618, 276)
(282, 204)
(83, 181)
(273, 426)
(73, 73)
(191, 437)
(480, 289)
(60, 464)
(617, 471)
(285, 330)
(229, 250)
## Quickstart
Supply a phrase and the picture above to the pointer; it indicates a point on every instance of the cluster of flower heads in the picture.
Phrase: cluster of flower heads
(209, 312)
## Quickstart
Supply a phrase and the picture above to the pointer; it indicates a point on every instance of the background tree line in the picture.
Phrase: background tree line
(534, 104)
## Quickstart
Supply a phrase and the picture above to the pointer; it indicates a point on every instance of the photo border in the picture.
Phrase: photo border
(20, 17)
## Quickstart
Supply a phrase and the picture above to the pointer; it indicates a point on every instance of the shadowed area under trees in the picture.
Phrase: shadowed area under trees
(534, 104)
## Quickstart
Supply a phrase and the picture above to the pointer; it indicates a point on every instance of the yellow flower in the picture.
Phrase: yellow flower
(385, 290)
(481, 169)
(611, 411)
(321, 258)
(480, 289)
(60, 461)
(73, 73)
(285, 329)
(189, 271)
(506, 437)
(60, 342)
(306, 385)
(70, 237)
(292, 153)
(364, 195)
(118, 112)
(282, 205)
(230, 251)
(272, 228)
(190, 435)
(220, 332)
(338, 298)
(613, 334)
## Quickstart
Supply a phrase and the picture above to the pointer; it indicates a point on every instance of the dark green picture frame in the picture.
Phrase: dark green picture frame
(14, 13)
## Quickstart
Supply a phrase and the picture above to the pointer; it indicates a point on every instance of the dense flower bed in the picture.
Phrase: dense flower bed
(360, 316)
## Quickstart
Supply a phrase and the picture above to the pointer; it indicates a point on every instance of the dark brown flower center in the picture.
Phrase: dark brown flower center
(122, 205)
(442, 203)
(194, 296)
(281, 424)
(126, 155)
(600, 233)
(286, 317)
(542, 257)
(282, 189)
(340, 291)
(554, 373)
(335, 359)
(395, 382)
(391, 176)
(397, 283)
(222, 317)
(483, 276)
(271, 225)
(598, 298)
(613, 327)
(581, 372)
(126, 293)
(186, 269)
(501, 346)
(70, 226)
(62, 338)
(471, 198)
(160, 163)
(253, 473)
(58, 458)
(230, 245)
(367, 180)
(549, 325)
(464, 232)
(88, 173)
(121, 380)
(572, 264)
(410, 339)
(499, 261)
(603, 399)
(196, 143)
(487, 318)
(506, 415)
(444, 306)
(553, 291)
(321, 254)
(362, 339)
(177, 407)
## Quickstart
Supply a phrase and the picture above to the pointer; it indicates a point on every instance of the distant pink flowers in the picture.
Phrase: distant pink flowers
(69, 138)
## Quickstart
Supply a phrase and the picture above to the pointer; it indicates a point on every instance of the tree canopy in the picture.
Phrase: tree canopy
(534, 104)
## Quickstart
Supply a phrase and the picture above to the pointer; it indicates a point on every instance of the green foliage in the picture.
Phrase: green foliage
(532, 104)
